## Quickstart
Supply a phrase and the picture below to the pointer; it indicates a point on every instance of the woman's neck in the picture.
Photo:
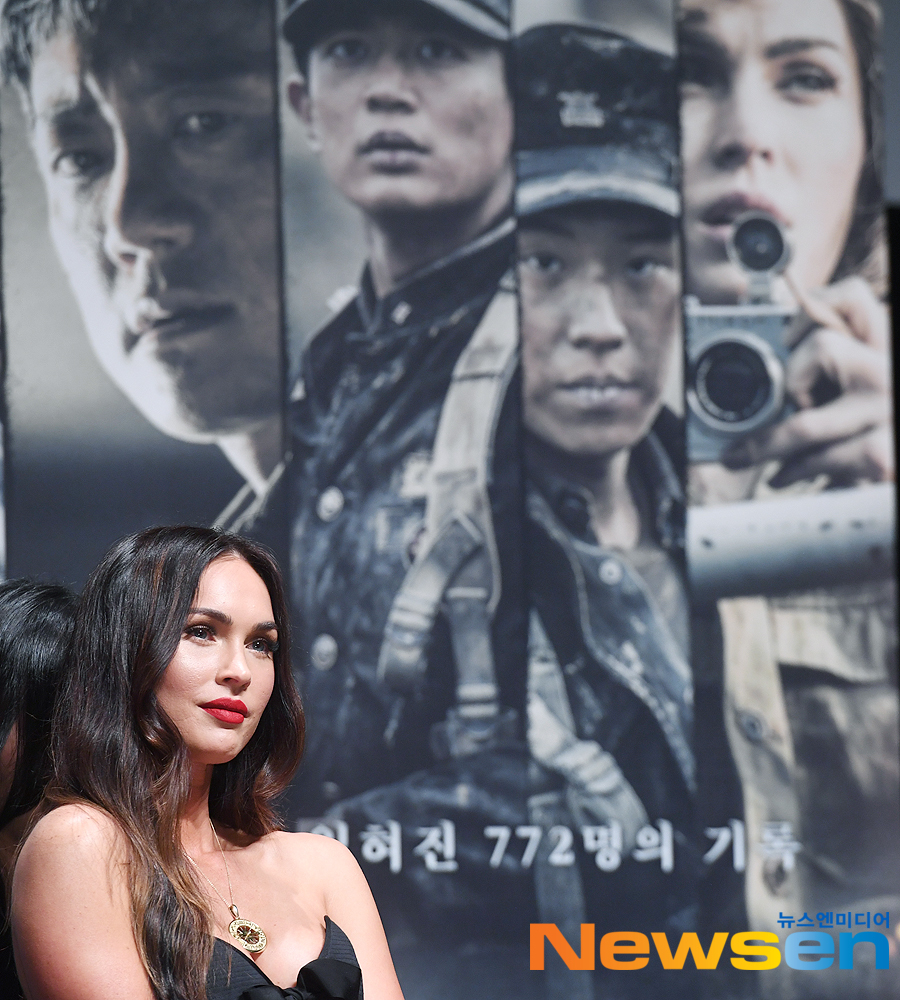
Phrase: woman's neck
(196, 835)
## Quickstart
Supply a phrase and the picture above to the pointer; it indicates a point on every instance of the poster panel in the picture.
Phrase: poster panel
(407, 569)
(791, 451)
(141, 273)
(610, 686)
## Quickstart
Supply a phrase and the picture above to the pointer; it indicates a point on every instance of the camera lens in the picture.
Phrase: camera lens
(732, 382)
(759, 243)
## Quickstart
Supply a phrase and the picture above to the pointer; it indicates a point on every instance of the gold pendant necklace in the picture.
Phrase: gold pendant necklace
(248, 934)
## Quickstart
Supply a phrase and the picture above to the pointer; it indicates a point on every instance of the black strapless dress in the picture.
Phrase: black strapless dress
(334, 975)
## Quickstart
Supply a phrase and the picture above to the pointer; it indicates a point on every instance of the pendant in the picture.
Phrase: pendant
(250, 935)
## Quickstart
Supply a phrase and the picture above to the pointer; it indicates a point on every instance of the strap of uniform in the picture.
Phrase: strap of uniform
(596, 791)
(457, 564)
(596, 788)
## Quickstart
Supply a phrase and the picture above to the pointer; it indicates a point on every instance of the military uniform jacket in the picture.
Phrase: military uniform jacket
(374, 381)
(627, 676)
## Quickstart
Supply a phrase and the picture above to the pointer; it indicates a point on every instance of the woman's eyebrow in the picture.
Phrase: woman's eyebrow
(219, 616)
(791, 46)
(698, 40)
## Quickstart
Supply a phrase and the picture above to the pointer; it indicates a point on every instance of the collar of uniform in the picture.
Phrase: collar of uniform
(651, 464)
(442, 286)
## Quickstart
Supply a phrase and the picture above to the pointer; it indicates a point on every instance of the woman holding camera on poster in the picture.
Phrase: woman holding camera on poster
(156, 869)
(780, 111)
(781, 117)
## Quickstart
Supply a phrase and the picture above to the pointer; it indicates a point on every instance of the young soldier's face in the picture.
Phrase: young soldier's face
(158, 158)
(410, 117)
(600, 306)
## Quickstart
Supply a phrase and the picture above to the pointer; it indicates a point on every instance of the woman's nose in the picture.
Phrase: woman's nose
(746, 122)
(234, 669)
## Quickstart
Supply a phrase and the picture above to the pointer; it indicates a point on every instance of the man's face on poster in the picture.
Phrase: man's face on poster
(157, 152)
(600, 307)
(409, 115)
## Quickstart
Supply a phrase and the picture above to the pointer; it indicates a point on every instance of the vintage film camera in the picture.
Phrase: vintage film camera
(736, 354)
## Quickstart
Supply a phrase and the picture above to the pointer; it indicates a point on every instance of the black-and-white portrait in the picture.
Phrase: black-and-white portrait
(143, 141)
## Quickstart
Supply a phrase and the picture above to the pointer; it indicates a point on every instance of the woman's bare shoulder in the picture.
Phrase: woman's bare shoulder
(332, 872)
(319, 856)
(75, 852)
(316, 859)
(72, 832)
(72, 876)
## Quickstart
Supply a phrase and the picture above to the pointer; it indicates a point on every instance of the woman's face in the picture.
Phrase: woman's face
(221, 677)
(772, 119)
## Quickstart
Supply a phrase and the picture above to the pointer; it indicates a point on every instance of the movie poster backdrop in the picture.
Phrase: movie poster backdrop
(584, 495)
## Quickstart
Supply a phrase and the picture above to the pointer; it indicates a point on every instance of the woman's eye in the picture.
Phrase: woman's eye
(266, 646)
(203, 632)
(204, 124)
(702, 69)
(806, 79)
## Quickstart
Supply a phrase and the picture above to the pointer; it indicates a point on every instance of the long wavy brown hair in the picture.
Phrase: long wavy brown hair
(115, 747)
(865, 249)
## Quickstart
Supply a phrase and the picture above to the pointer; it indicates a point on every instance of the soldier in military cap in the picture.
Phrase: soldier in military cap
(404, 436)
(610, 682)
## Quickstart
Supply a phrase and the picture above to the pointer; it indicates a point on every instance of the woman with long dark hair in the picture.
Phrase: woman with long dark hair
(157, 869)
(781, 112)
(36, 621)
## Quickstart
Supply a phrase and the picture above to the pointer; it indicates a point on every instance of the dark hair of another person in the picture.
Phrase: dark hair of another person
(36, 621)
(116, 748)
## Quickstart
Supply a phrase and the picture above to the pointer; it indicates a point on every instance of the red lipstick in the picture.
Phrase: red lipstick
(231, 710)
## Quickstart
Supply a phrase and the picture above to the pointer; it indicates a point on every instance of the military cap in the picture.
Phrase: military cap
(485, 17)
(596, 120)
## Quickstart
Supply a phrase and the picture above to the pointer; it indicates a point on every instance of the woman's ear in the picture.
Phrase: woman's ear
(301, 101)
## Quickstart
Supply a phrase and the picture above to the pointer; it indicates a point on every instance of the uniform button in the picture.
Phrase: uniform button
(330, 503)
(610, 572)
(324, 652)
(630, 653)
(753, 725)
(401, 313)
